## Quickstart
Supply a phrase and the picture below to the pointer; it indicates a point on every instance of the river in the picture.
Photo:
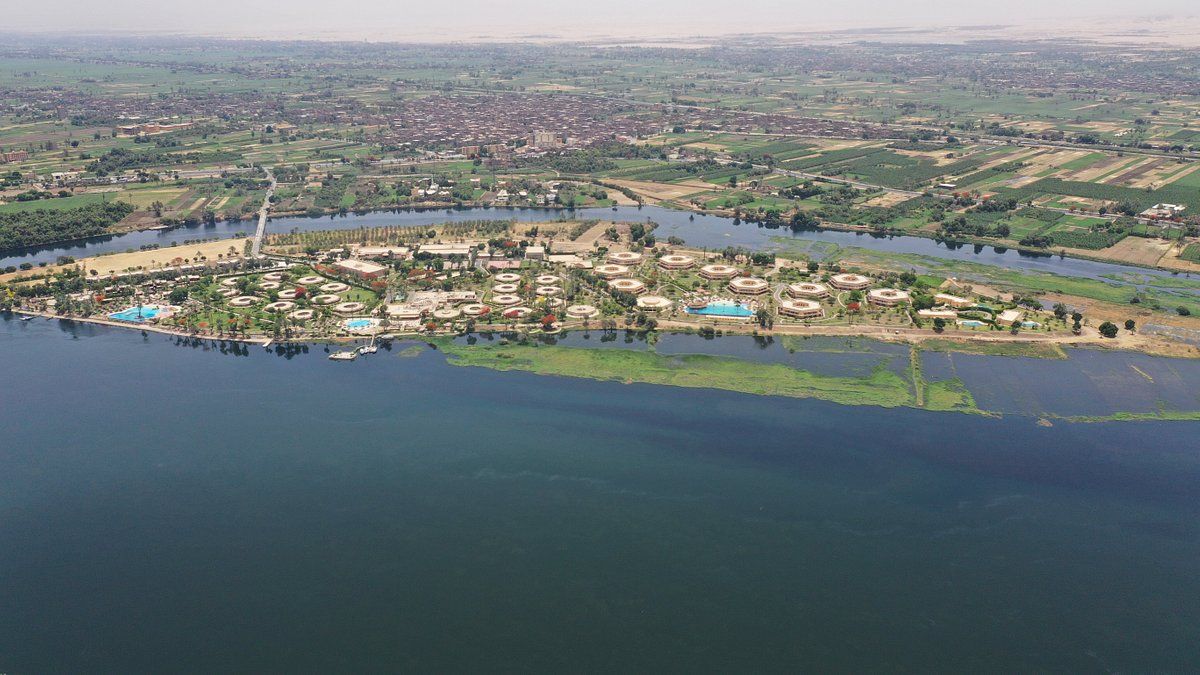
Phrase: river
(698, 230)
(172, 506)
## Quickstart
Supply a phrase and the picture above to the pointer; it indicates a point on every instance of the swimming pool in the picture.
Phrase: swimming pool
(136, 314)
(971, 323)
(723, 308)
(1030, 324)
(359, 324)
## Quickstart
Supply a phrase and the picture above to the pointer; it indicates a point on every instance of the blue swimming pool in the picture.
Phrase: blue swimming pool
(136, 314)
(971, 323)
(723, 308)
(359, 323)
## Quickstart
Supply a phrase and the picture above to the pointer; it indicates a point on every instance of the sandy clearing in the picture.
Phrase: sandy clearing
(887, 199)
(1136, 250)
(162, 257)
(660, 191)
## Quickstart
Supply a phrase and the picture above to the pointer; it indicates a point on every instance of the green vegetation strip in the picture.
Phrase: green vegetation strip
(882, 388)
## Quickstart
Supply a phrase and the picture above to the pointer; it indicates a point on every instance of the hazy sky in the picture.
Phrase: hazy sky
(465, 19)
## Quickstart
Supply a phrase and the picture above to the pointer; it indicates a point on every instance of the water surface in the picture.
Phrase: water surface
(168, 506)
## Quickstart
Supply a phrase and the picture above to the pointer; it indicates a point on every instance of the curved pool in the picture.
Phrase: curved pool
(723, 308)
(136, 314)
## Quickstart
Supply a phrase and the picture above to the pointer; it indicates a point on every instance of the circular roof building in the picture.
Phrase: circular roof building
(801, 309)
(507, 278)
(676, 262)
(628, 286)
(281, 306)
(310, 280)
(654, 303)
(582, 311)
(243, 301)
(624, 258)
(517, 313)
(273, 276)
(475, 309)
(850, 282)
(718, 272)
(446, 313)
(887, 297)
(505, 289)
(505, 300)
(748, 286)
(289, 294)
(327, 299)
(809, 290)
(548, 291)
(611, 271)
(547, 280)
(302, 314)
(334, 287)
(269, 285)
(349, 307)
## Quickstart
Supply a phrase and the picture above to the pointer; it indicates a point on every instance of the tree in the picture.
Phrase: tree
(939, 324)
(1183, 311)
(1108, 329)
(178, 295)
(1130, 324)
(764, 318)
(1060, 311)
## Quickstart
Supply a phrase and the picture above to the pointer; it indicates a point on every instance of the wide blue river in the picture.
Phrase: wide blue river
(169, 506)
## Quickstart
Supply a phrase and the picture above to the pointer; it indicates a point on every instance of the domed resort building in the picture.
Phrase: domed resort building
(953, 301)
(624, 258)
(748, 286)
(507, 278)
(654, 303)
(850, 282)
(717, 272)
(808, 291)
(674, 262)
(887, 297)
(610, 272)
(628, 286)
(582, 311)
(801, 309)
(505, 300)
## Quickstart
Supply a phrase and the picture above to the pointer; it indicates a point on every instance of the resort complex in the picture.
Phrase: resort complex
(485, 283)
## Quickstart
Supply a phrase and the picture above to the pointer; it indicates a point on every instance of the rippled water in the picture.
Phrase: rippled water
(188, 506)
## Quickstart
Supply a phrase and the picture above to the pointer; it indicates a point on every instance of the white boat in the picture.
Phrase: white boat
(344, 355)
(368, 348)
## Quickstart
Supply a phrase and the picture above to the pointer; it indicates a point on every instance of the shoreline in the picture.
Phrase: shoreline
(900, 335)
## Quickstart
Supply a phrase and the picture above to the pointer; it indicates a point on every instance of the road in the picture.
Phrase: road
(256, 247)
